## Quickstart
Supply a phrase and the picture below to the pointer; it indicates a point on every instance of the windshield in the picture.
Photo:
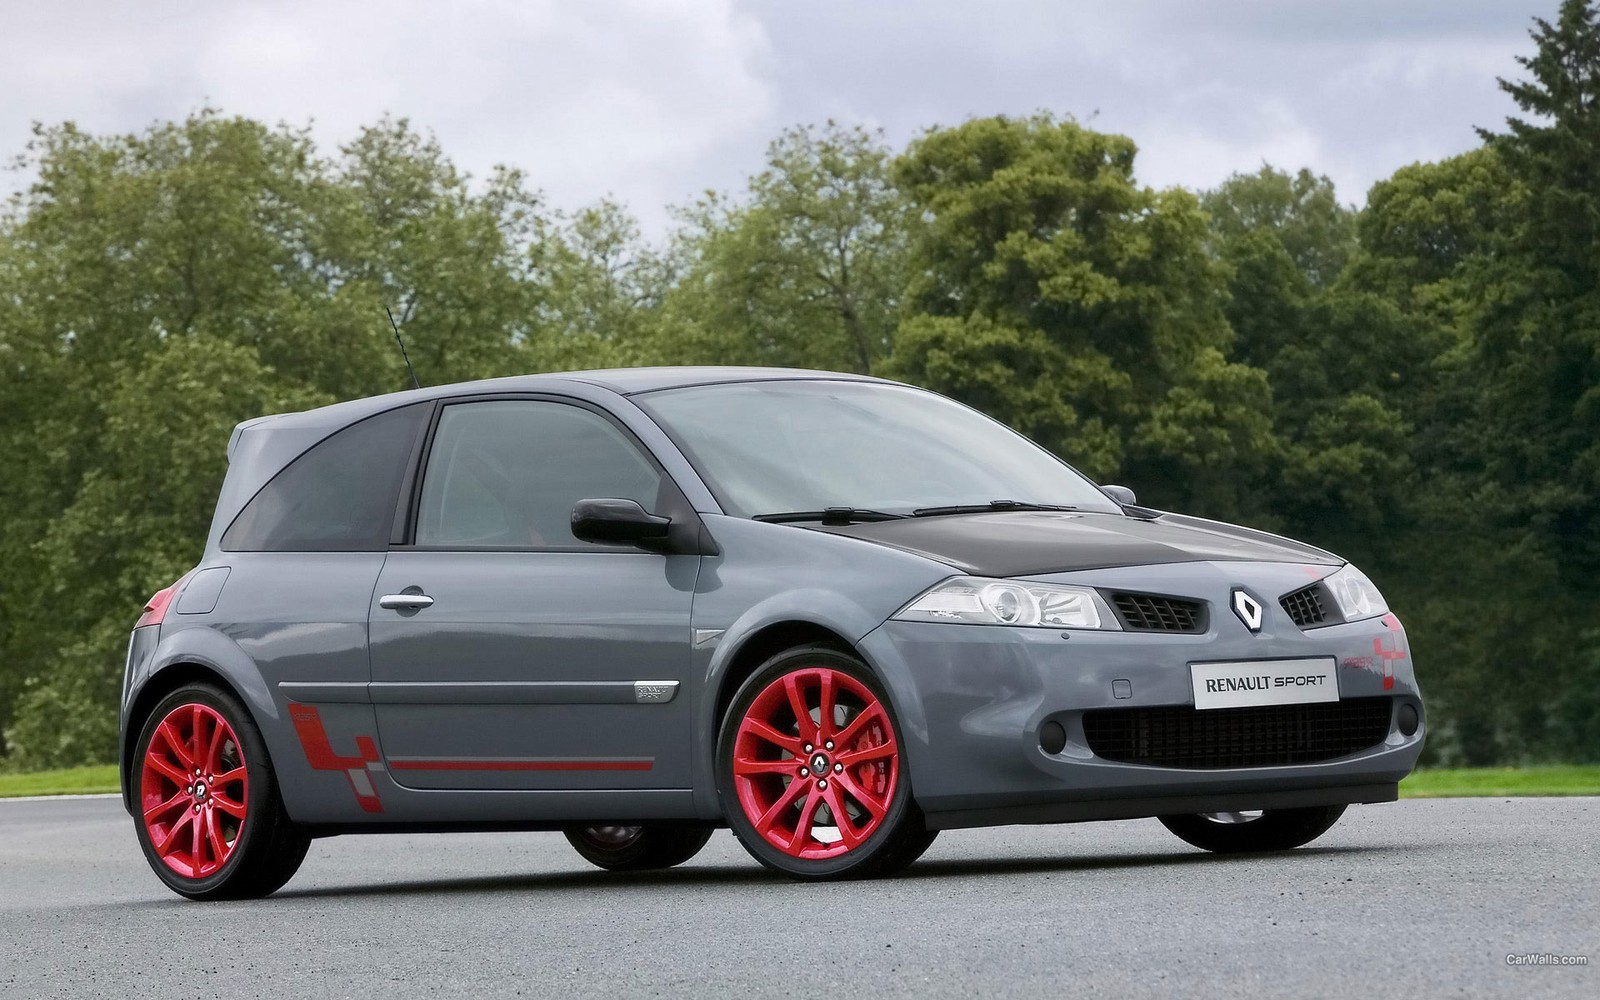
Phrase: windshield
(772, 447)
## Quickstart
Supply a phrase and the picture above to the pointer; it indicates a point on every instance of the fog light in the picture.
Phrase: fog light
(1052, 737)
(1409, 720)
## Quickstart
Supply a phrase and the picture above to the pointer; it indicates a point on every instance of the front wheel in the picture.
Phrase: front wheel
(1267, 830)
(637, 848)
(811, 773)
(209, 816)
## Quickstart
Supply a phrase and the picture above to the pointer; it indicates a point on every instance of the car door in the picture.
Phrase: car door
(506, 653)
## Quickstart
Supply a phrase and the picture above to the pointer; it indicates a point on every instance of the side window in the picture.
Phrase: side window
(337, 497)
(507, 473)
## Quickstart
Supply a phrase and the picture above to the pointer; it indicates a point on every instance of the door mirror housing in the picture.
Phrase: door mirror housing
(1121, 494)
(613, 519)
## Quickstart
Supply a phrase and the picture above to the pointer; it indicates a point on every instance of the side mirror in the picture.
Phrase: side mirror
(1121, 494)
(616, 520)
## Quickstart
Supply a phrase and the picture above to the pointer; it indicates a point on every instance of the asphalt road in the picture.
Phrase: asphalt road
(1419, 898)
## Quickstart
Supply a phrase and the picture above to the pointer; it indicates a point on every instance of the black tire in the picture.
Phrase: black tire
(267, 847)
(909, 848)
(900, 835)
(637, 848)
(1273, 830)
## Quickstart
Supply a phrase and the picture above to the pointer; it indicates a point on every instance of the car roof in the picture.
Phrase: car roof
(624, 381)
(315, 423)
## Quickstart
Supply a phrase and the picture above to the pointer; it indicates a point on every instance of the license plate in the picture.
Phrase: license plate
(1263, 682)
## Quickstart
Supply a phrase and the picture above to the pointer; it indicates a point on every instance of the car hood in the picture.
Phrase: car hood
(1024, 543)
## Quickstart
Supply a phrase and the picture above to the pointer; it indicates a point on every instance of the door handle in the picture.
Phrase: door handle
(405, 602)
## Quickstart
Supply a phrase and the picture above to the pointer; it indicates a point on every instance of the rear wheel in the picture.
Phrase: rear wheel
(810, 770)
(637, 848)
(1266, 830)
(210, 819)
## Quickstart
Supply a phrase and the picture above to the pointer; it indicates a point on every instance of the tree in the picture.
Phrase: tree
(595, 288)
(805, 269)
(1051, 290)
(155, 289)
(1301, 211)
(134, 525)
(1540, 338)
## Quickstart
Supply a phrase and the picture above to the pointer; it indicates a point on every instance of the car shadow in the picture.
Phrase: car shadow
(690, 875)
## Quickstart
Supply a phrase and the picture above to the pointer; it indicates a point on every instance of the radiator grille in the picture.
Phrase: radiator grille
(1258, 736)
(1305, 607)
(1153, 613)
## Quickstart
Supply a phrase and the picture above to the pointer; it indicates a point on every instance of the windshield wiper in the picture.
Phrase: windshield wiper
(984, 508)
(832, 515)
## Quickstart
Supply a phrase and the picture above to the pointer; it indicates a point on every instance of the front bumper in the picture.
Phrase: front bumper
(972, 701)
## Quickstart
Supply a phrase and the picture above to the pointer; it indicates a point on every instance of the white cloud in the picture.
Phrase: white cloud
(655, 101)
(589, 99)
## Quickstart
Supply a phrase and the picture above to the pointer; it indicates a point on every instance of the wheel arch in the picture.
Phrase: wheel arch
(761, 646)
(742, 651)
(187, 656)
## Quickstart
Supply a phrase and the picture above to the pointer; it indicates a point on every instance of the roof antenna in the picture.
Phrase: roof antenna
(414, 383)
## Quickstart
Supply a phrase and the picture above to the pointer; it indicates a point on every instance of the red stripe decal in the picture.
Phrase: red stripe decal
(319, 752)
(521, 765)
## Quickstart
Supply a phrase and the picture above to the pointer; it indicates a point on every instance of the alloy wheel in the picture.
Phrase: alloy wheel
(815, 763)
(194, 790)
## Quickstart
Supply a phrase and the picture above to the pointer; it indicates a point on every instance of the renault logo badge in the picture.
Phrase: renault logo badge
(1248, 609)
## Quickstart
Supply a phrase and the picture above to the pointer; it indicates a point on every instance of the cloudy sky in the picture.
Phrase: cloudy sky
(653, 102)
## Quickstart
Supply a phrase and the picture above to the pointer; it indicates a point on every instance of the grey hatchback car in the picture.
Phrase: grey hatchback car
(834, 613)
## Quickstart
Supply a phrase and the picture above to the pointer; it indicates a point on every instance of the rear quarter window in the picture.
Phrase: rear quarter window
(339, 496)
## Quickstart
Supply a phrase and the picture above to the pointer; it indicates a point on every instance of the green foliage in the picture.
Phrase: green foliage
(1051, 290)
(804, 270)
(1415, 385)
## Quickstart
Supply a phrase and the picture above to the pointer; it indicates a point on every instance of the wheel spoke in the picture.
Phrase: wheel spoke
(157, 811)
(871, 803)
(797, 703)
(756, 727)
(167, 769)
(197, 735)
(848, 833)
(851, 758)
(226, 778)
(825, 700)
(219, 848)
(195, 841)
(869, 714)
(765, 823)
(747, 766)
(173, 831)
(233, 807)
(808, 814)
(169, 734)
(213, 761)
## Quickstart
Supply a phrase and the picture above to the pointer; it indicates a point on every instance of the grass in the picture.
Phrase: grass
(1428, 783)
(1487, 781)
(72, 781)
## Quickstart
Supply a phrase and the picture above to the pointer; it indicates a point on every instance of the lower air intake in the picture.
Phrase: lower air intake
(1258, 736)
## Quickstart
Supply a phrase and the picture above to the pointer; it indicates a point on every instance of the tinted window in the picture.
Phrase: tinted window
(507, 474)
(771, 447)
(337, 497)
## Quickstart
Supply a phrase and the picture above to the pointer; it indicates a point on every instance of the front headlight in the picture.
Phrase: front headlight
(979, 601)
(1355, 594)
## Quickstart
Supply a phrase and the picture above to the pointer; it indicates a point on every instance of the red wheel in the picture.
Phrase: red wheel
(206, 804)
(811, 763)
(194, 790)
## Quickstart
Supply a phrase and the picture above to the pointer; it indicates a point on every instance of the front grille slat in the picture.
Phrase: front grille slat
(1154, 613)
(1257, 736)
(1305, 607)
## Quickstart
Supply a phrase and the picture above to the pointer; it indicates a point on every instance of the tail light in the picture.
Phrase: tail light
(155, 609)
